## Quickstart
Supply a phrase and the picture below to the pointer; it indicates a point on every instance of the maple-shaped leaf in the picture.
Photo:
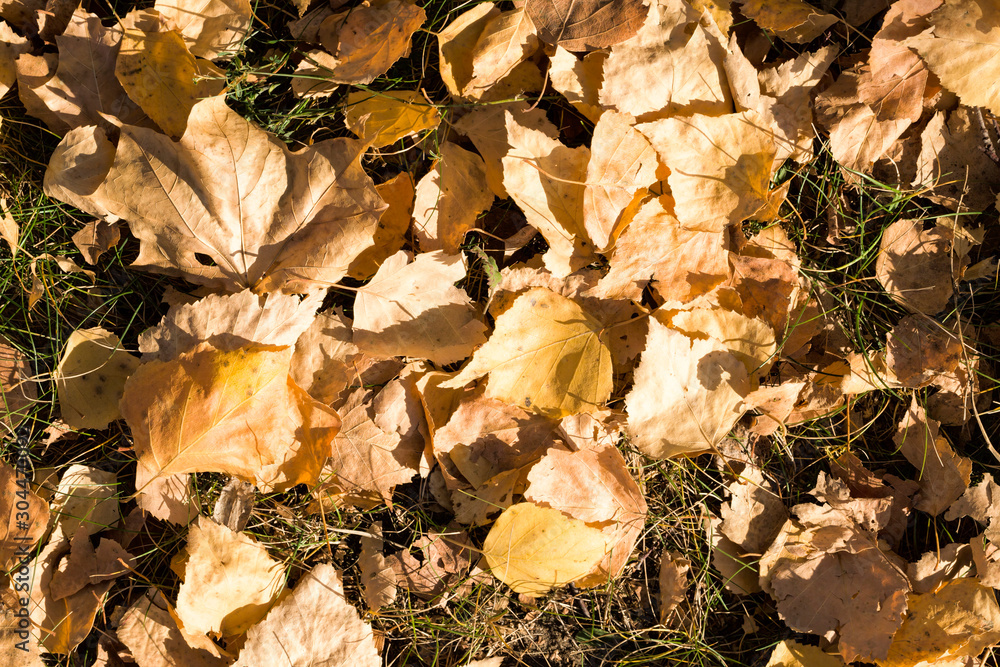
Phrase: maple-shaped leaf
(229, 580)
(413, 309)
(687, 394)
(546, 354)
(586, 25)
(210, 28)
(74, 88)
(235, 411)
(240, 210)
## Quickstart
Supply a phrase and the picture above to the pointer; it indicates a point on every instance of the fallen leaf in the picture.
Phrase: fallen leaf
(18, 534)
(673, 583)
(963, 39)
(792, 20)
(368, 39)
(534, 549)
(449, 199)
(159, 74)
(90, 378)
(687, 394)
(740, 574)
(234, 176)
(506, 40)
(958, 620)
(720, 168)
(95, 239)
(12, 45)
(210, 28)
(85, 498)
(750, 339)
(754, 513)
(150, 630)
(952, 168)
(586, 25)
(234, 505)
(579, 80)
(953, 561)
(236, 412)
(413, 309)
(860, 138)
(981, 502)
(447, 557)
(390, 235)
(456, 43)
(312, 626)
(17, 391)
(824, 557)
(323, 361)
(916, 266)
(919, 348)
(230, 582)
(789, 653)
(85, 565)
(546, 354)
(314, 75)
(943, 475)
(670, 67)
(389, 116)
(377, 575)
(170, 499)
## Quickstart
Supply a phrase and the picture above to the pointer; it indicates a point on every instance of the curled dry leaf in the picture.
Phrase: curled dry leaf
(670, 67)
(828, 576)
(688, 394)
(258, 216)
(210, 28)
(546, 354)
(953, 561)
(230, 582)
(413, 309)
(85, 565)
(720, 168)
(236, 412)
(95, 239)
(315, 625)
(449, 199)
(586, 25)
(389, 116)
(150, 630)
(943, 475)
(534, 549)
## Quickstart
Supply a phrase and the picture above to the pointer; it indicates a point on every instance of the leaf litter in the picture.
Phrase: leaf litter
(668, 309)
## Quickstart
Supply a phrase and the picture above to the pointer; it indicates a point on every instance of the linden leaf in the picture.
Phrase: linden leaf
(415, 310)
(534, 549)
(210, 28)
(90, 378)
(389, 116)
(586, 25)
(240, 210)
(315, 625)
(546, 354)
(236, 412)
(230, 582)
(688, 394)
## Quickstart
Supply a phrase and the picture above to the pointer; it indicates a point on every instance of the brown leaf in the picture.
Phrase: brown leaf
(86, 566)
(95, 239)
(872, 514)
(789, 653)
(687, 394)
(368, 39)
(673, 583)
(981, 502)
(314, 625)
(170, 499)
(385, 117)
(12, 45)
(670, 67)
(230, 582)
(415, 310)
(447, 557)
(82, 86)
(953, 561)
(390, 234)
(90, 378)
(916, 266)
(323, 361)
(506, 40)
(449, 199)
(84, 498)
(792, 20)
(235, 504)
(588, 24)
(210, 28)
(17, 392)
(579, 80)
(151, 632)
(953, 169)
(860, 138)
(14, 532)
(754, 513)
(377, 575)
(827, 576)
(919, 348)
(943, 475)
(236, 412)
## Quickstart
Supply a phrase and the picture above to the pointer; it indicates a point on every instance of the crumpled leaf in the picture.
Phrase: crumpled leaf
(961, 48)
(95, 239)
(389, 116)
(720, 168)
(943, 475)
(90, 378)
(85, 565)
(792, 20)
(261, 222)
(670, 67)
(958, 620)
(235, 411)
(230, 582)
(534, 549)
(826, 575)
(449, 199)
(413, 309)
(688, 393)
(586, 25)
(159, 74)
(210, 28)
(546, 354)
(366, 40)
(315, 625)
(150, 630)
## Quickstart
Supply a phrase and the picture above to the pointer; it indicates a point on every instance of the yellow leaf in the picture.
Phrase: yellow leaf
(229, 583)
(391, 115)
(236, 412)
(151, 633)
(792, 20)
(90, 378)
(534, 549)
(392, 226)
(579, 81)
(687, 394)
(793, 654)
(546, 355)
(506, 40)
(160, 74)
(449, 199)
(455, 44)
(209, 27)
